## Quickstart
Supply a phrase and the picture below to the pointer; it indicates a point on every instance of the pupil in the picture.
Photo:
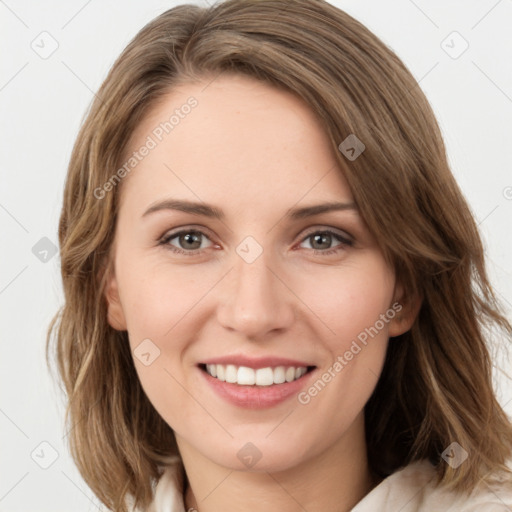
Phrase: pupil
(321, 237)
(189, 239)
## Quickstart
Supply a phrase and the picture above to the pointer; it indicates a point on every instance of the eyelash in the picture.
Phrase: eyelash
(344, 242)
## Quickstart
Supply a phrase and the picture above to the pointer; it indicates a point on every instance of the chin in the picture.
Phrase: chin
(257, 455)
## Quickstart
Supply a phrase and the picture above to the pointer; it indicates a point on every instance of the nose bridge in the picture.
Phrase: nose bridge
(257, 301)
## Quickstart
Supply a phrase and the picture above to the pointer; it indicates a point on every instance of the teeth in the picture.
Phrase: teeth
(244, 376)
(212, 369)
(221, 372)
(279, 376)
(231, 373)
(264, 376)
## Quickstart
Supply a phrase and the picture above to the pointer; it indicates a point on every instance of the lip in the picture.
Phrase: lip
(256, 362)
(257, 397)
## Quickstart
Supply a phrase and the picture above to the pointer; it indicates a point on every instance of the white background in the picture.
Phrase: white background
(43, 102)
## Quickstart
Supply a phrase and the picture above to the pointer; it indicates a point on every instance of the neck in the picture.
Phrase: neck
(336, 479)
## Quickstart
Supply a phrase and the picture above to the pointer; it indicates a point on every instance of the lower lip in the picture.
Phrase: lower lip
(256, 397)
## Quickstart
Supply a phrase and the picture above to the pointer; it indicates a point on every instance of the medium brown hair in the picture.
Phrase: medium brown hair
(436, 385)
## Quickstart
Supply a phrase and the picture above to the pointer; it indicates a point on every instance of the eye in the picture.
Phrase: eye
(320, 241)
(188, 241)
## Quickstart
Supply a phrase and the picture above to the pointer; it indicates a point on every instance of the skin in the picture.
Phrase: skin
(254, 152)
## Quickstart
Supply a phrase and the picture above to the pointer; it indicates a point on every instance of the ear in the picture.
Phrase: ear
(407, 307)
(115, 313)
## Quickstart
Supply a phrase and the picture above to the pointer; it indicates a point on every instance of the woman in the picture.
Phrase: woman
(210, 342)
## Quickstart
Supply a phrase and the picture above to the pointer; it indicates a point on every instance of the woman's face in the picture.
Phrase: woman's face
(221, 259)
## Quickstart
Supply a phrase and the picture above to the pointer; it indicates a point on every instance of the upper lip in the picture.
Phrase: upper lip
(256, 362)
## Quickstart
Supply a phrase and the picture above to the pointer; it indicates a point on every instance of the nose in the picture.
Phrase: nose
(256, 300)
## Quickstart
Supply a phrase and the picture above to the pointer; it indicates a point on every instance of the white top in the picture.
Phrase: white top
(409, 489)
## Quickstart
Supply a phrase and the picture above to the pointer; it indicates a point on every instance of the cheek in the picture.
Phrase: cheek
(161, 305)
(349, 299)
(156, 297)
(359, 300)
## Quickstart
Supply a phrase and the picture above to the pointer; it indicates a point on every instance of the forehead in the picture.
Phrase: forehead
(233, 140)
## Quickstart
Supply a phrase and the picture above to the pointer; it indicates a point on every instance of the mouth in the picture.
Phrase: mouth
(251, 377)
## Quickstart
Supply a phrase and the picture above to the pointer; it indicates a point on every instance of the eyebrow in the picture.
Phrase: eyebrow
(207, 210)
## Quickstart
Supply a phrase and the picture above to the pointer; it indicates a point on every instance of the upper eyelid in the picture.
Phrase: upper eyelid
(337, 231)
(169, 234)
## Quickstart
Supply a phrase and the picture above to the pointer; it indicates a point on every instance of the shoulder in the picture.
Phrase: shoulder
(413, 489)
(168, 493)
(410, 489)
